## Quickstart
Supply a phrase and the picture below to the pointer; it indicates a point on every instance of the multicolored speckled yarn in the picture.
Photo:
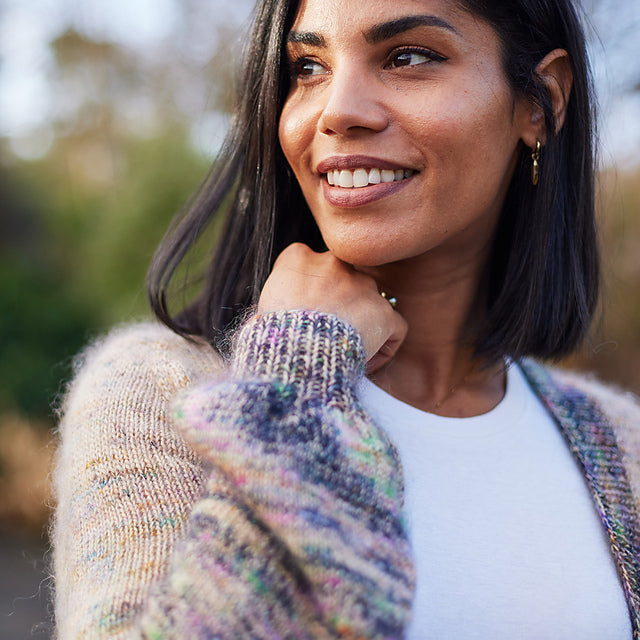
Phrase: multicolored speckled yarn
(264, 502)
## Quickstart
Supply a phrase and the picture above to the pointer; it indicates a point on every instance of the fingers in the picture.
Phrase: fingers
(396, 331)
(304, 279)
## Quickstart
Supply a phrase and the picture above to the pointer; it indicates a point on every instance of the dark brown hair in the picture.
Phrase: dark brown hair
(544, 271)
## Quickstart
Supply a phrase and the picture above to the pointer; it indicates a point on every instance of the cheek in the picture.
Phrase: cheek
(471, 136)
(294, 131)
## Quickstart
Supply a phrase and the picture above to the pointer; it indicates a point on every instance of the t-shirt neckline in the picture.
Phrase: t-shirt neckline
(507, 412)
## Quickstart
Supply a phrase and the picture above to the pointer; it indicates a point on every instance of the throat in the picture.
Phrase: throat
(456, 395)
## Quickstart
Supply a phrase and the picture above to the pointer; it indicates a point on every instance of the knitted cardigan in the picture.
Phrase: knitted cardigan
(263, 502)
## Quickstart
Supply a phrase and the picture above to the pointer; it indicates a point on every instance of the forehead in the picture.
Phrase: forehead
(343, 24)
(337, 14)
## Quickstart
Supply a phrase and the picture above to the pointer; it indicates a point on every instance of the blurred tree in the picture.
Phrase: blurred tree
(80, 224)
(105, 234)
(41, 324)
(613, 352)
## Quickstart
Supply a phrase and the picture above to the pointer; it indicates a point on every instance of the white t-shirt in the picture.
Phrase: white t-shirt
(507, 542)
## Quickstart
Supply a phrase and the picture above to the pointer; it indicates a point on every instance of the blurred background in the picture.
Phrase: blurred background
(110, 114)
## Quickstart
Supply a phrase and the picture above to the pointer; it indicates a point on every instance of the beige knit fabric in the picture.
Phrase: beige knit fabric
(116, 421)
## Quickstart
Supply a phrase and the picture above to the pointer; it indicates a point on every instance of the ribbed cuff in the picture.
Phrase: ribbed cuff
(314, 350)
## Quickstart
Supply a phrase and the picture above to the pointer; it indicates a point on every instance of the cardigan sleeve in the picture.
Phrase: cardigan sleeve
(124, 479)
(296, 531)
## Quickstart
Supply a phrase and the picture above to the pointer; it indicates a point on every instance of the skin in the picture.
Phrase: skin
(429, 97)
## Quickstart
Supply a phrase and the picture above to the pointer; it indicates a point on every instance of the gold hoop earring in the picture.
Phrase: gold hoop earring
(535, 163)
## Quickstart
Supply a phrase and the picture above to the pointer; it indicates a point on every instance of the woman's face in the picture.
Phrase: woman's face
(408, 100)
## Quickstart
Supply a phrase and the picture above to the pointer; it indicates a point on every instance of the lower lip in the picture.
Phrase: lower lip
(359, 196)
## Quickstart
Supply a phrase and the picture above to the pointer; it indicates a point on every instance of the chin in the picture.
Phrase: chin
(364, 254)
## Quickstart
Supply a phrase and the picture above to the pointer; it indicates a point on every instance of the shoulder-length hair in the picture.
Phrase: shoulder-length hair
(543, 275)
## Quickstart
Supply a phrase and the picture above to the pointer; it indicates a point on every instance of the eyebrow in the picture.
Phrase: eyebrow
(306, 37)
(386, 30)
(377, 33)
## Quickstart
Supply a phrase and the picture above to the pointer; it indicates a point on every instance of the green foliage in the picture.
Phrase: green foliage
(41, 327)
(81, 224)
(80, 265)
(104, 232)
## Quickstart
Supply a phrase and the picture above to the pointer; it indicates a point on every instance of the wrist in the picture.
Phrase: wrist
(299, 347)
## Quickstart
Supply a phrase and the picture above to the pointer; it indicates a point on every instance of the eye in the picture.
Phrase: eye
(306, 67)
(413, 57)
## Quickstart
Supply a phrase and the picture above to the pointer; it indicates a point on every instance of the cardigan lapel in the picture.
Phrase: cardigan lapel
(593, 443)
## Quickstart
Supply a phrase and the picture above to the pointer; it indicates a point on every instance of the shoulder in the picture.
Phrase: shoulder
(124, 384)
(135, 358)
(566, 390)
(620, 408)
(618, 405)
(115, 434)
(148, 345)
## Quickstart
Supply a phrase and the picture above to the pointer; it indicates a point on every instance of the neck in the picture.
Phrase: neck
(435, 369)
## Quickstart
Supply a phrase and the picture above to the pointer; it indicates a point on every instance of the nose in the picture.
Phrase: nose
(353, 103)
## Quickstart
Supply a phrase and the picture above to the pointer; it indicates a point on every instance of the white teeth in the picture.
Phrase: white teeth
(346, 179)
(362, 177)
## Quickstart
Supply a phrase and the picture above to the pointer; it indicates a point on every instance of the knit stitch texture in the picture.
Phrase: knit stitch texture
(256, 499)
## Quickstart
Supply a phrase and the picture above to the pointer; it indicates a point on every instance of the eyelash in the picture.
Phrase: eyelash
(431, 56)
(297, 67)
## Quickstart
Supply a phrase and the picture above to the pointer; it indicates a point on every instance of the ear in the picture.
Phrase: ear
(555, 72)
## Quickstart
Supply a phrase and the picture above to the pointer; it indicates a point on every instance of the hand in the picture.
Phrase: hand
(304, 279)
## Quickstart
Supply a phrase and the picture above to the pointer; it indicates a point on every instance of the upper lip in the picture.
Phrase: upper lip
(356, 162)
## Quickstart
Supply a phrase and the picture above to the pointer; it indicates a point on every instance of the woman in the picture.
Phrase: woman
(439, 153)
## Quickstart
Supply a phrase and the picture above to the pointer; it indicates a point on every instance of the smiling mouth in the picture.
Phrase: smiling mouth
(361, 177)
